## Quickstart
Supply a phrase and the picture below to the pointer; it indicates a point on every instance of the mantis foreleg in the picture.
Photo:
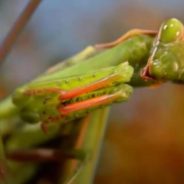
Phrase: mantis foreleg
(56, 100)
(129, 34)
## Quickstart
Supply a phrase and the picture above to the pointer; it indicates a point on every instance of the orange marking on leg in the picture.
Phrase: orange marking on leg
(92, 87)
(129, 34)
(97, 101)
(31, 92)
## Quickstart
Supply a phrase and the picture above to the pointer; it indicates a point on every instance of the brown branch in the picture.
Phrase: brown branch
(16, 29)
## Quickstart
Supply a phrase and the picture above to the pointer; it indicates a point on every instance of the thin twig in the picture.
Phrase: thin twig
(16, 29)
(44, 155)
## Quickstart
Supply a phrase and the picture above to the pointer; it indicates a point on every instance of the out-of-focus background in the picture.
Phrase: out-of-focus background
(144, 141)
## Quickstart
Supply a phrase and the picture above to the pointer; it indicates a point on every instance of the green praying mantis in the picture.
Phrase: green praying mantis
(98, 76)
(106, 76)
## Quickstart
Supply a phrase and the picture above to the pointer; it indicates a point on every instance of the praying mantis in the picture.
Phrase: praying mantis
(106, 77)
(99, 76)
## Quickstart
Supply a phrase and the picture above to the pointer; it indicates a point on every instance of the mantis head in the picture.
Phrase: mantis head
(171, 31)
(167, 55)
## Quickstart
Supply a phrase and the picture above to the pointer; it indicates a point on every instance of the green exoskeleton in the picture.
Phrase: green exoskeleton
(166, 61)
(70, 97)
(106, 77)
(97, 77)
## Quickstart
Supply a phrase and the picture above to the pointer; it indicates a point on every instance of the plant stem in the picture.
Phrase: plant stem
(17, 28)
(44, 155)
(90, 141)
(93, 144)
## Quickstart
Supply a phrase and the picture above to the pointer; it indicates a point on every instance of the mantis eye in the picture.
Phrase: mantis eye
(171, 31)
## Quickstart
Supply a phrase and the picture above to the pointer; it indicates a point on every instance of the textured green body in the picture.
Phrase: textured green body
(36, 103)
(168, 62)
(165, 63)
(167, 56)
(43, 106)
(123, 71)
(135, 51)
(123, 90)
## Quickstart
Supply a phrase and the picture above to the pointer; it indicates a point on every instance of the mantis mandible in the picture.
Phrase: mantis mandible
(107, 76)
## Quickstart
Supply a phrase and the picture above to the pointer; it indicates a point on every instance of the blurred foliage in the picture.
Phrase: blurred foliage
(147, 147)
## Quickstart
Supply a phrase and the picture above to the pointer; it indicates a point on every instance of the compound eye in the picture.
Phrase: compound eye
(171, 31)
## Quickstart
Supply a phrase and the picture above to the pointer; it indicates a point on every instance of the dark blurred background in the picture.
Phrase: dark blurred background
(144, 141)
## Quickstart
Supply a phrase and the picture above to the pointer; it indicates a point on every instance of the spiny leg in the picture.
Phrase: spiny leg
(108, 81)
(102, 100)
(68, 94)
(49, 96)
(78, 106)
(100, 79)
(72, 86)
(88, 92)
(116, 74)
(107, 99)
(129, 34)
